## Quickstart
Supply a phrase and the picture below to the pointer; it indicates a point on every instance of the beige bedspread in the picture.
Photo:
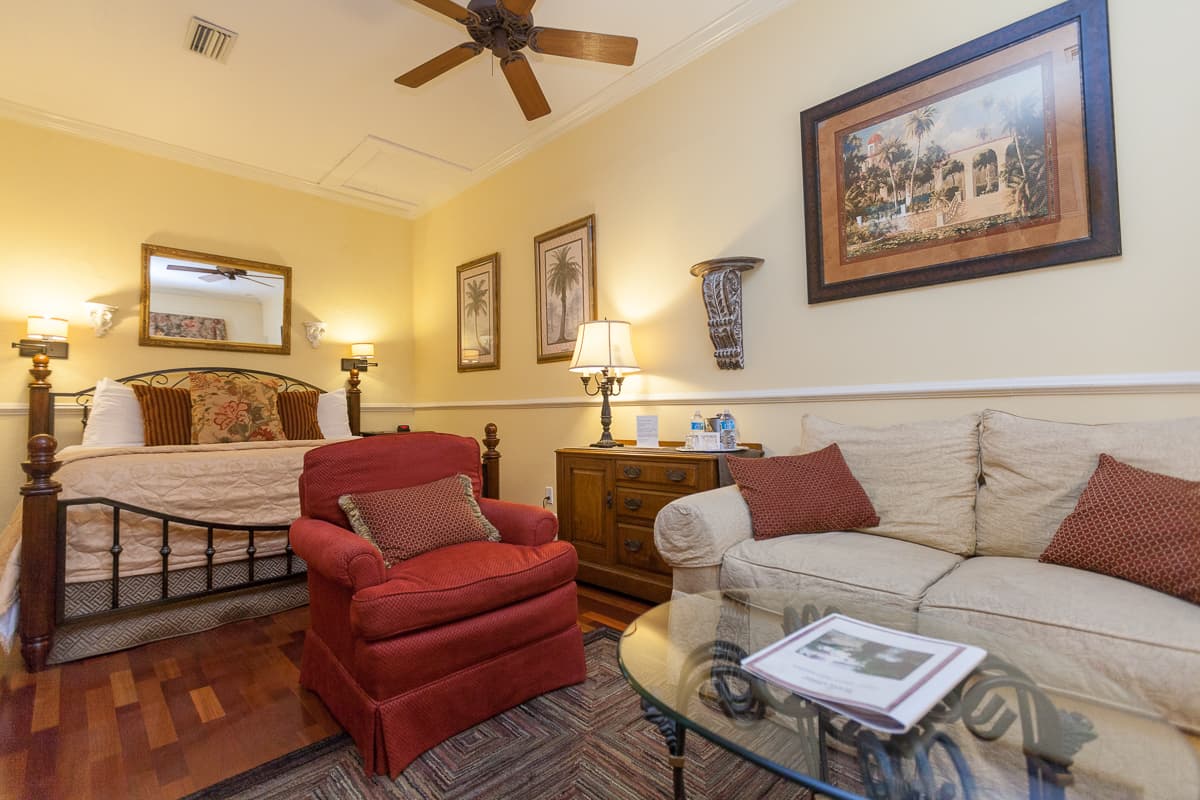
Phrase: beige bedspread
(245, 483)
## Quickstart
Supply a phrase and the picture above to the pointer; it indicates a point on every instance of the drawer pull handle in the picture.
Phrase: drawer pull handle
(633, 472)
(633, 503)
(633, 545)
(676, 474)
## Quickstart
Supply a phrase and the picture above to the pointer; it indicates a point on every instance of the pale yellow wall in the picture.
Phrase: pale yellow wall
(73, 215)
(707, 163)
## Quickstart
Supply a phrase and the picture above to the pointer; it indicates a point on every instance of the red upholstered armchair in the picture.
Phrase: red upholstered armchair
(407, 656)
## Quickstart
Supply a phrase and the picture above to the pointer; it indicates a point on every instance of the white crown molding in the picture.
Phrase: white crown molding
(142, 144)
(1054, 385)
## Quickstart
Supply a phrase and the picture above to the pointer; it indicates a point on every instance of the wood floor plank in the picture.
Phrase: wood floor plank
(45, 702)
(156, 716)
(208, 707)
(123, 690)
(104, 738)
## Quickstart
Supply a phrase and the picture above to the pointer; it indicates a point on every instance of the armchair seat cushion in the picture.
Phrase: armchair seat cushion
(459, 581)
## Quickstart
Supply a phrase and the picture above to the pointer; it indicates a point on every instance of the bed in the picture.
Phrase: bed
(120, 543)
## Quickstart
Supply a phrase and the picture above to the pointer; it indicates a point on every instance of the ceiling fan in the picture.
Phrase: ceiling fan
(224, 273)
(505, 27)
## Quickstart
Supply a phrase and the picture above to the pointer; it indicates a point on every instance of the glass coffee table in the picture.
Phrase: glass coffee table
(1028, 722)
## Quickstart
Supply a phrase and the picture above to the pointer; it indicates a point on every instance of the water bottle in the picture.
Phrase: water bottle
(697, 422)
(729, 434)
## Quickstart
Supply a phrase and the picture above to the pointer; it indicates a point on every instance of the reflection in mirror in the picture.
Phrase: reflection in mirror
(192, 299)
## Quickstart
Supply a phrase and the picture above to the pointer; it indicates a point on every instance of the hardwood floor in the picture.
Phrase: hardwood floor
(166, 719)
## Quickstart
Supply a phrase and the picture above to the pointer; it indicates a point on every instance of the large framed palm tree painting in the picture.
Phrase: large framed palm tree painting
(993, 157)
(565, 270)
(479, 314)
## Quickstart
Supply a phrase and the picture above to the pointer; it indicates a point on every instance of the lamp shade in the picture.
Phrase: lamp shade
(52, 328)
(362, 350)
(603, 344)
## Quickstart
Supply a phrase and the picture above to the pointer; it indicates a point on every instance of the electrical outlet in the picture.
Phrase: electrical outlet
(549, 496)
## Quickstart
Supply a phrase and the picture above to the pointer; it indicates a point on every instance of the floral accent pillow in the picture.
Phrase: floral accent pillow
(233, 409)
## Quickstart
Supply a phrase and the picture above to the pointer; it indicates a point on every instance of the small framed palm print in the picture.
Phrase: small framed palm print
(565, 271)
(479, 314)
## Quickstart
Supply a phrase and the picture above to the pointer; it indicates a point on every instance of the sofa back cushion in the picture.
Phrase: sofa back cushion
(921, 477)
(1034, 471)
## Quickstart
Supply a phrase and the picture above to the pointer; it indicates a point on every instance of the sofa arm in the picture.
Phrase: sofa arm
(696, 530)
(519, 523)
(340, 555)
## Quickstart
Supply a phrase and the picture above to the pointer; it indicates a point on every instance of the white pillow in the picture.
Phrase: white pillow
(115, 419)
(332, 415)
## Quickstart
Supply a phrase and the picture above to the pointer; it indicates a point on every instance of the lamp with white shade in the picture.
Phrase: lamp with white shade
(604, 350)
(46, 335)
(361, 354)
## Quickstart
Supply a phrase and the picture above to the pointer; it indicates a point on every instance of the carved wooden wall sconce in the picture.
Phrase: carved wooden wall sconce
(722, 292)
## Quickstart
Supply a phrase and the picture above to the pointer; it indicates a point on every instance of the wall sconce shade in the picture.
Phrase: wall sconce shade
(314, 331)
(44, 335)
(100, 315)
(361, 354)
(604, 349)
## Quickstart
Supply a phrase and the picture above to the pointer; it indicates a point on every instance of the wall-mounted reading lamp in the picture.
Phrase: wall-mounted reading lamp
(360, 357)
(44, 335)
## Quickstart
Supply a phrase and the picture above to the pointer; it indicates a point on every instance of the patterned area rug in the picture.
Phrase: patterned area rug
(586, 741)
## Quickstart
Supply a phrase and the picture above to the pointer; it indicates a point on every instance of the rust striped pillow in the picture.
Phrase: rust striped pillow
(1140, 526)
(298, 412)
(166, 414)
(810, 493)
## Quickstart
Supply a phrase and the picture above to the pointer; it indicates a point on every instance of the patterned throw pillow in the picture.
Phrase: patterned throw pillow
(808, 493)
(404, 523)
(298, 412)
(233, 409)
(1136, 525)
(166, 414)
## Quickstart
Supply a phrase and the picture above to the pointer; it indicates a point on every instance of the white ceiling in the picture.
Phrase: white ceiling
(306, 99)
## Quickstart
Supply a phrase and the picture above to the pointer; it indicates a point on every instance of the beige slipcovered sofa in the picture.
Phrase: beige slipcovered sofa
(966, 506)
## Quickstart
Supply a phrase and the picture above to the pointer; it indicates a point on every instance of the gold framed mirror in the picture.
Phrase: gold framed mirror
(211, 302)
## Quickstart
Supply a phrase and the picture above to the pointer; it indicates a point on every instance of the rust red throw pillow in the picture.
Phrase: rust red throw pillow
(166, 414)
(1136, 525)
(298, 413)
(404, 523)
(809, 493)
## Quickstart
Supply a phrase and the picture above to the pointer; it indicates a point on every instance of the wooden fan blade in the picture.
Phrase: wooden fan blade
(582, 44)
(518, 7)
(525, 86)
(439, 64)
(451, 9)
(182, 268)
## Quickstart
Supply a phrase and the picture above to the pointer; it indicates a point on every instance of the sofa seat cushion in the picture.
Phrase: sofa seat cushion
(921, 477)
(1139, 639)
(841, 567)
(457, 582)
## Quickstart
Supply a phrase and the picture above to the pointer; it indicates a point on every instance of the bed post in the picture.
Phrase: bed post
(491, 462)
(39, 523)
(354, 403)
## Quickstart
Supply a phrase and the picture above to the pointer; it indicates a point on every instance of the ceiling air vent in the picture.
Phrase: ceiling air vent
(210, 41)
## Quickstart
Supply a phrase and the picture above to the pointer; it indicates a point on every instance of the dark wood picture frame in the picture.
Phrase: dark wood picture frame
(478, 294)
(1059, 193)
(565, 281)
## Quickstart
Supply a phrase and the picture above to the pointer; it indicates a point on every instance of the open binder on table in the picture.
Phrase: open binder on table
(884, 678)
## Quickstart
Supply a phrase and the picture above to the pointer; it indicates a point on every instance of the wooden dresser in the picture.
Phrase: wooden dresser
(607, 501)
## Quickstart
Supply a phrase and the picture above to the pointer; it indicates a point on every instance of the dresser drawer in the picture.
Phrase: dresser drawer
(644, 504)
(683, 473)
(635, 548)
